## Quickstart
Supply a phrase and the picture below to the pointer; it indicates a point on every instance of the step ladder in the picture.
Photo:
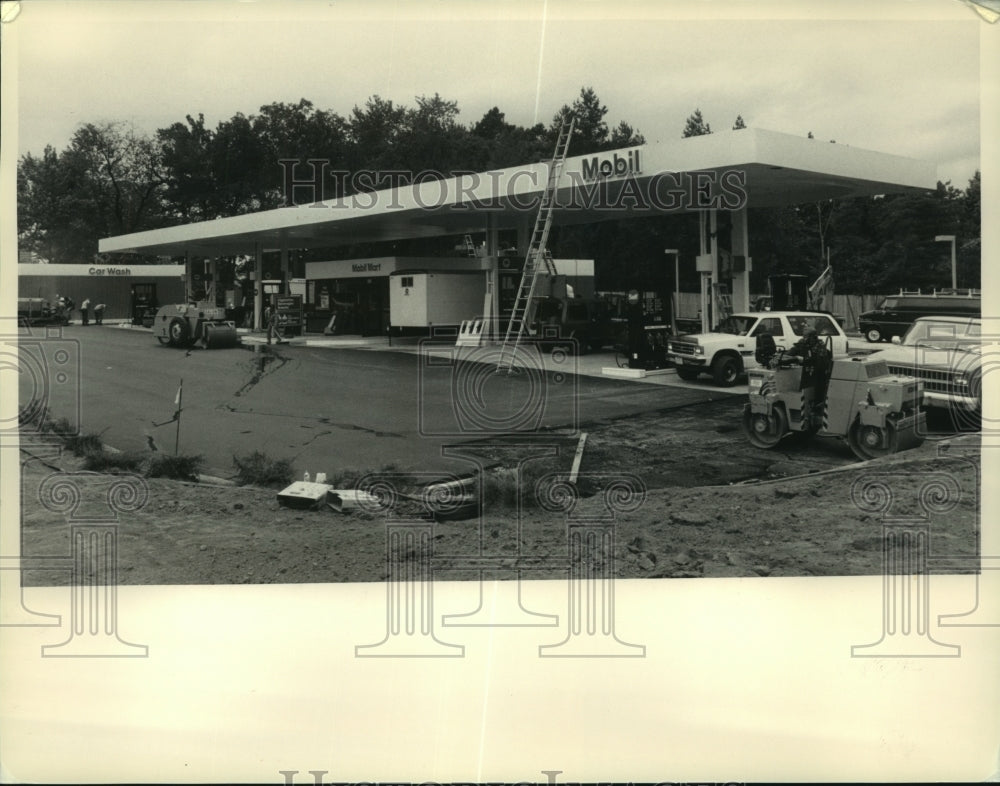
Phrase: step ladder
(723, 302)
(469, 247)
(538, 260)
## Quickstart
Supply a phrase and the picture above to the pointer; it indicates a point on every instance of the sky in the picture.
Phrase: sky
(903, 78)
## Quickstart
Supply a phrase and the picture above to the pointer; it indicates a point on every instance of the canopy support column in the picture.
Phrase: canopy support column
(286, 284)
(258, 284)
(740, 244)
(707, 265)
(491, 305)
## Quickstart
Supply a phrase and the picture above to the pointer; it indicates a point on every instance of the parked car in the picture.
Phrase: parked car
(728, 351)
(945, 353)
(896, 313)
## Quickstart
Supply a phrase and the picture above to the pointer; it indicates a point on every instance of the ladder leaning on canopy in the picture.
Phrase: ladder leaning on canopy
(537, 260)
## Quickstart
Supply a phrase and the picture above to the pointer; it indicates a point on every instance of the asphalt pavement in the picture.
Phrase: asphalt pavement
(341, 403)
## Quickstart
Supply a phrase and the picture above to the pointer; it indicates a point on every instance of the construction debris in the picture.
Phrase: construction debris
(302, 494)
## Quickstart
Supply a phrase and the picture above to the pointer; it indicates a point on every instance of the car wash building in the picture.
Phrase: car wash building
(711, 175)
(127, 291)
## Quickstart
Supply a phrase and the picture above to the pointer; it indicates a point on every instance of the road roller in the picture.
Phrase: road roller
(875, 412)
(184, 325)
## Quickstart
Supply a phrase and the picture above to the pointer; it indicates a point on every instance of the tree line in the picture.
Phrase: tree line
(112, 180)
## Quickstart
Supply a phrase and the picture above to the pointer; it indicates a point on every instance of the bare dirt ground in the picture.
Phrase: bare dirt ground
(713, 506)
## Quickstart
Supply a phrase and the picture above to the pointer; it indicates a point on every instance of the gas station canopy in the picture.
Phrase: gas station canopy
(725, 171)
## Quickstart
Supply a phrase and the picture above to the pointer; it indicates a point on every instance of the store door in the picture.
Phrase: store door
(378, 312)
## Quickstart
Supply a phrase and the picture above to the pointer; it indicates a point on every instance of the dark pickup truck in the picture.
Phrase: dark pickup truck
(579, 324)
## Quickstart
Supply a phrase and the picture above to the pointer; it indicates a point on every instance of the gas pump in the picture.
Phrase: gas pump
(200, 281)
(647, 332)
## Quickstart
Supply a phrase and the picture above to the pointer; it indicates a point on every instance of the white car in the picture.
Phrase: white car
(945, 353)
(728, 351)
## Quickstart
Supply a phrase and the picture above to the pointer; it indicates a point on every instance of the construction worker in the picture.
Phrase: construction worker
(273, 322)
(816, 360)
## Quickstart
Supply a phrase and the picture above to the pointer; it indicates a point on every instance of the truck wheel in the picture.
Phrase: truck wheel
(874, 335)
(725, 371)
(179, 332)
(687, 374)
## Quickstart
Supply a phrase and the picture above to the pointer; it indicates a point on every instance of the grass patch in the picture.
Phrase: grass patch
(501, 486)
(113, 463)
(36, 418)
(33, 417)
(259, 469)
(82, 444)
(175, 467)
(61, 428)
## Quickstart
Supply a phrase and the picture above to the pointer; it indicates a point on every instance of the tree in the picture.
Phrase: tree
(492, 125)
(47, 221)
(238, 160)
(300, 133)
(969, 222)
(108, 181)
(852, 235)
(186, 154)
(969, 234)
(432, 140)
(507, 145)
(696, 125)
(906, 225)
(780, 242)
(590, 133)
(625, 136)
(120, 171)
(373, 132)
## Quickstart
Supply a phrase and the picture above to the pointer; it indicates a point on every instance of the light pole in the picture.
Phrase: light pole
(677, 287)
(954, 269)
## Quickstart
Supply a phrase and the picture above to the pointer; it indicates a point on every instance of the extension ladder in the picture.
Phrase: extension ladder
(538, 259)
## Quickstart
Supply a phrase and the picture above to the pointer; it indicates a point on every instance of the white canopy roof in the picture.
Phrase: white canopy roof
(749, 166)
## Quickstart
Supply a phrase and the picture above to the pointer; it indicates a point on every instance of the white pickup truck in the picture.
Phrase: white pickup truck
(728, 351)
